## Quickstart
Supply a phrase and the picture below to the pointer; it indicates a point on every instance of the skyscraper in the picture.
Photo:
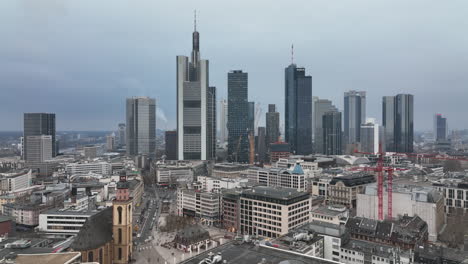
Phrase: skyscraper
(332, 133)
(141, 126)
(404, 124)
(37, 124)
(252, 116)
(39, 149)
(239, 117)
(388, 122)
(440, 127)
(121, 134)
(371, 136)
(298, 110)
(354, 115)
(223, 118)
(171, 145)
(321, 106)
(398, 121)
(261, 146)
(272, 125)
(196, 107)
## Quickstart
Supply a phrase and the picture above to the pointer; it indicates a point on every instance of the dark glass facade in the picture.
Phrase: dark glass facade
(238, 117)
(171, 145)
(298, 110)
(272, 126)
(332, 133)
(398, 122)
(440, 127)
(36, 124)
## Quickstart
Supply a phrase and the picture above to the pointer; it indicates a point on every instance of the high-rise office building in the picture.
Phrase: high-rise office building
(252, 116)
(239, 117)
(388, 122)
(121, 134)
(321, 106)
(440, 128)
(196, 107)
(332, 133)
(37, 124)
(141, 126)
(298, 110)
(110, 142)
(39, 148)
(398, 122)
(261, 144)
(272, 125)
(371, 136)
(404, 126)
(171, 145)
(354, 115)
(223, 119)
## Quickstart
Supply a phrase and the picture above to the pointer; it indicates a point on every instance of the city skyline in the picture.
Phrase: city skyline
(395, 55)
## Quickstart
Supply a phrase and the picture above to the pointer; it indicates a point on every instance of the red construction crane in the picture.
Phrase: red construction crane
(380, 169)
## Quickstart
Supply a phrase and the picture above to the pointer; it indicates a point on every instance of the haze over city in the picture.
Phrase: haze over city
(81, 59)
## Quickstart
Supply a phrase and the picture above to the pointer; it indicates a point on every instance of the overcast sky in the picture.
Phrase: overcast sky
(82, 58)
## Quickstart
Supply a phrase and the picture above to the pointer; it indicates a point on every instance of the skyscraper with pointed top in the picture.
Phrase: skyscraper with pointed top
(196, 106)
(298, 109)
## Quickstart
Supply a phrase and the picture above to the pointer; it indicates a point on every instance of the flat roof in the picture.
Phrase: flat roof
(275, 193)
(70, 212)
(54, 258)
(325, 210)
(249, 253)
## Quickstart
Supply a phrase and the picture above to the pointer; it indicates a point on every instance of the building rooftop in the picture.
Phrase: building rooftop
(275, 193)
(354, 179)
(369, 248)
(251, 254)
(97, 231)
(56, 211)
(53, 258)
(330, 210)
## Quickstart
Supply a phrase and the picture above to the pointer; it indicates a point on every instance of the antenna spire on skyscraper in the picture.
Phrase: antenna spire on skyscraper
(292, 53)
(195, 20)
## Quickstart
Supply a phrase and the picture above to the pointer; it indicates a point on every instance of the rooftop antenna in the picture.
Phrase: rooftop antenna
(292, 53)
(195, 20)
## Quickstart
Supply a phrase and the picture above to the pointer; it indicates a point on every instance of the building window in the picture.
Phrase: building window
(90, 257)
(120, 254)
(119, 210)
(120, 235)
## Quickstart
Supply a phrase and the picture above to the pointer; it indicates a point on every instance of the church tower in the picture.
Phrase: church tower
(122, 222)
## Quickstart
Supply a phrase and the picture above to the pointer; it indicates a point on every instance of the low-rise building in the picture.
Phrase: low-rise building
(333, 214)
(358, 252)
(25, 214)
(175, 172)
(334, 236)
(274, 177)
(204, 206)
(15, 181)
(344, 190)
(229, 170)
(273, 212)
(424, 202)
(62, 221)
(405, 233)
(102, 167)
(455, 194)
(210, 184)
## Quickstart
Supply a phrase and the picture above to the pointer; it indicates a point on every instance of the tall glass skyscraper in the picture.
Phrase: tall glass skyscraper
(196, 107)
(398, 122)
(321, 106)
(332, 133)
(354, 115)
(239, 117)
(440, 127)
(141, 126)
(38, 124)
(298, 110)
(272, 126)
